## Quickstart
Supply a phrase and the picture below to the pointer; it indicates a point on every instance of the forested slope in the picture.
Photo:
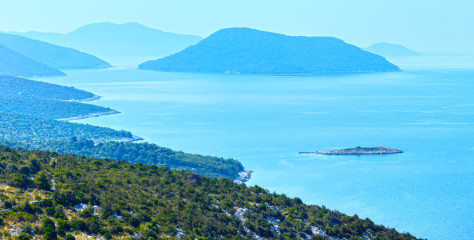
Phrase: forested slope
(76, 196)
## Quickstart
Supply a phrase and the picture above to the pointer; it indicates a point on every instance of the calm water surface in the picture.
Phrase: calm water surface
(264, 121)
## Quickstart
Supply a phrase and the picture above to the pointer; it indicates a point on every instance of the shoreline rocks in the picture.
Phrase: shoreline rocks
(243, 177)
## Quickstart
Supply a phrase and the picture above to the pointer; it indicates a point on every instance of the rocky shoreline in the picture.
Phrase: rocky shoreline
(243, 177)
(358, 151)
(132, 139)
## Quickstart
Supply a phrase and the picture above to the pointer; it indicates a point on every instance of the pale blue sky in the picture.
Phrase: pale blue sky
(427, 26)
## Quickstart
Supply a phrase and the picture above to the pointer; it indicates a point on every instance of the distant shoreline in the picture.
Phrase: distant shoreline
(98, 114)
(132, 139)
(243, 177)
(95, 97)
(91, 115)
(359, 151)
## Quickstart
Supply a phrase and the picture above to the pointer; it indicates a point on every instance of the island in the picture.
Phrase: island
(250, 51)
(358, 151)
(391, 50)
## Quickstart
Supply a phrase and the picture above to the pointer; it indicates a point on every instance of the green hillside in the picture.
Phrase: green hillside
(53, 196)
(145, 153)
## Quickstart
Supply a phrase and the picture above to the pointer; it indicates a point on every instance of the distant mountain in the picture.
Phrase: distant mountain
(129, 39)
(243, 50)
(51, 55)
(15, 64)
(391, 50)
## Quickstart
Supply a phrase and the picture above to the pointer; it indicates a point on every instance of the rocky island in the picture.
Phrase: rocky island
(358, 151)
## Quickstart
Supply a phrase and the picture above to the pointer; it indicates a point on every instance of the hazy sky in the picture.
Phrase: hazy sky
(427, 26)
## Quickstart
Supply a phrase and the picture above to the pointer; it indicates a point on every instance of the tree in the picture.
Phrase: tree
(20, 180)
(35, 166)
(42, 181)
(93, 224)
(27, 207)
(69, 237)
(134, 222)
(80, 225)
(24, 236)
(49, 229)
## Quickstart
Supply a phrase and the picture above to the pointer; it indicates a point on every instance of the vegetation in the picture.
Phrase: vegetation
(120, 200)
(15, 64)
(22, 127)
(48, 109)
(13, 86)
(243, 50)
(362, 151)
(28, 110)
(145, 153)
(51, 55)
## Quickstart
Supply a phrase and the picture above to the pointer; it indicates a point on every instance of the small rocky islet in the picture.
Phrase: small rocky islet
(359, 151)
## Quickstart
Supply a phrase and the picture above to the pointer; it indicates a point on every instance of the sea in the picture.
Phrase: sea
(263, 121)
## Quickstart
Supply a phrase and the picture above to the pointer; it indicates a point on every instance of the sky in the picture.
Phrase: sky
(434, 26)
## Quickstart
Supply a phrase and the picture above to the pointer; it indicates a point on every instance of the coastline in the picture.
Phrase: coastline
(95, 97)
(91, 115)
(243, 177)
(132, 139)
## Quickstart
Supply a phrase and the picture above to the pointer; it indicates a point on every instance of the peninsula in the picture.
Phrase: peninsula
(359, 151)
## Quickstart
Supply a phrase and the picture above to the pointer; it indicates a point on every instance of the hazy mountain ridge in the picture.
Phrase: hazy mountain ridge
(15, 64)
(50, 54)
(391, 50)
(244, 50)
(129, 39)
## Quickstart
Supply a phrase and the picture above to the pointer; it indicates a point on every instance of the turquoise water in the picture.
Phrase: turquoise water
(264, 121)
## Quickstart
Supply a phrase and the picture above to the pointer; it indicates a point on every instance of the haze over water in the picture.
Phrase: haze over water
(264, 121)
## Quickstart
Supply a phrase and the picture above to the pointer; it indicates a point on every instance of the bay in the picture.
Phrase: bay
(264, 121)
